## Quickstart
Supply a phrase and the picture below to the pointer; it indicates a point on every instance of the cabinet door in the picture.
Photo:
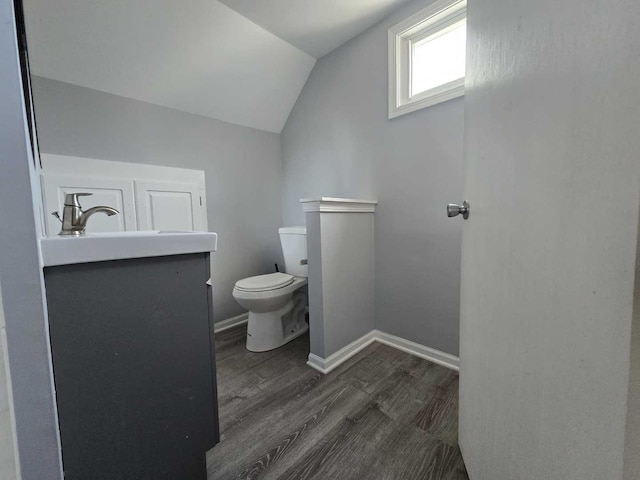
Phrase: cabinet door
(112, 192)
(169, 206)
(134, 367)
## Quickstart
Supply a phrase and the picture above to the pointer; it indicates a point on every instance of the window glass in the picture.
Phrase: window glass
(427, 54)
(438, 59)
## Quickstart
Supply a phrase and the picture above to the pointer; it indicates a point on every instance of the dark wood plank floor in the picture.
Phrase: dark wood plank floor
(383, 414)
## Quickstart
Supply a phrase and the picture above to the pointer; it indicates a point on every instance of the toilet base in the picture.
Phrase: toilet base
(266, 331)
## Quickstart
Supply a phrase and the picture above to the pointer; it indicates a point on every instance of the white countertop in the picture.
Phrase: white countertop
(98, 247)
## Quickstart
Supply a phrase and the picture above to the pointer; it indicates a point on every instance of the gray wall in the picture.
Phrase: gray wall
(242, 167)
(632, 437)
(315, 292)
(8, 464)
(21, 275)
(341, 269)
(339, 142)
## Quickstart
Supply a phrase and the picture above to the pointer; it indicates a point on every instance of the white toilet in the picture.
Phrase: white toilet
(275, 302)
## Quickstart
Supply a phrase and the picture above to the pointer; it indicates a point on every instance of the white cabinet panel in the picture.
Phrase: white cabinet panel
(169, 206)
(112, 192)
(149, 197)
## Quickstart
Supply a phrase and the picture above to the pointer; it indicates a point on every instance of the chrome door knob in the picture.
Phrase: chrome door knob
(454, 210)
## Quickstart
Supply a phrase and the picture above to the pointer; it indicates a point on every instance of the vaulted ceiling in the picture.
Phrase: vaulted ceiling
(315, 26)
(240, 61)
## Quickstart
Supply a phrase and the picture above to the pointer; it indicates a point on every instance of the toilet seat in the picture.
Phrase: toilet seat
(264, 283)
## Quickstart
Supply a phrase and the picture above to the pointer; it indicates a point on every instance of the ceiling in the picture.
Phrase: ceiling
(244, 65)
(315, 26)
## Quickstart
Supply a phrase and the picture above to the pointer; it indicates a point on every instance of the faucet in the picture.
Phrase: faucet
(74, 219)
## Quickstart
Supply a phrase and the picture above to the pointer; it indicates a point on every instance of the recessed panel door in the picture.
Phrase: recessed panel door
(169, 206)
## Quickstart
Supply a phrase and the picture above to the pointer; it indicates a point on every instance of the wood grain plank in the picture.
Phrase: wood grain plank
(460, 471)
(304, 436)
(234, 362)
(439, 415)
(399, 397)
(243, 392)
(228, 339)
(383, 414)
(406, 391)
(280, 423)
(374, 370)
(409, 453)
(340, 453)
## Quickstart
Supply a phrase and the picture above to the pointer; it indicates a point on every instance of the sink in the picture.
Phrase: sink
(98, 247)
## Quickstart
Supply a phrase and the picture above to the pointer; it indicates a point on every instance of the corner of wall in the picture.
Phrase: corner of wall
(632, 430)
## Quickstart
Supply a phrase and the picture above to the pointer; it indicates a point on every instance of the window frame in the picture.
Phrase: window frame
(436, 19)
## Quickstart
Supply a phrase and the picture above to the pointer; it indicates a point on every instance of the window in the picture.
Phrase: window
(427, 57)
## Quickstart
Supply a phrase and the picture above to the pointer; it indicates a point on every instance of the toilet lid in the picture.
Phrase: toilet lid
(262, 283)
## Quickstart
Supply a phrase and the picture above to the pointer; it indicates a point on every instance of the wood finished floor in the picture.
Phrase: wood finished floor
(381, 415)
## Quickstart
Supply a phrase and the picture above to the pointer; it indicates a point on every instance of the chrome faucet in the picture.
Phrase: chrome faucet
(74, 219)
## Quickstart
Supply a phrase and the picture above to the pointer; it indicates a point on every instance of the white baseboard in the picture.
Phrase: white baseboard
(231, 322)
(325, 365)
(422, 351)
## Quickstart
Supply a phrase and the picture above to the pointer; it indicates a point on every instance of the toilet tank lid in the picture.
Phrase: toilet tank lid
(293, 230)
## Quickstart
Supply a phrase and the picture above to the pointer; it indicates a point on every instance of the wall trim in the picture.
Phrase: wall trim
(422, 351)
(340, 205)
(231, 322)
(325, 365)
(437, 17)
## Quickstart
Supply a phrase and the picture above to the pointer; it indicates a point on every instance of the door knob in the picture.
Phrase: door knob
(454, 210)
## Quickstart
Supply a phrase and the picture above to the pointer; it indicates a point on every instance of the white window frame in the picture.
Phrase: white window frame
(436, 18)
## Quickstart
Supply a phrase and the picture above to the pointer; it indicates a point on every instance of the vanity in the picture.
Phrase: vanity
(131, 329)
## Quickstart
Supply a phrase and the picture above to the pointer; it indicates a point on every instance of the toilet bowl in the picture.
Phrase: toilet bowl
(275, 301)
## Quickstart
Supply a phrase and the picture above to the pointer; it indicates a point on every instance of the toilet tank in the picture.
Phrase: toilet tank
(294, 250)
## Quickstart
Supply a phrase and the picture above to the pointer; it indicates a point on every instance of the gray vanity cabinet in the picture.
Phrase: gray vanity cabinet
(134, 367)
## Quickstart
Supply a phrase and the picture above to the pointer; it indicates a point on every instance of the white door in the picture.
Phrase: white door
(552, 168)
(170, 206)
(112, 192)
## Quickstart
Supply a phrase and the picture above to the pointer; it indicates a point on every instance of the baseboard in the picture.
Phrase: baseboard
(230, 322)
(428, 353)
(325, 365)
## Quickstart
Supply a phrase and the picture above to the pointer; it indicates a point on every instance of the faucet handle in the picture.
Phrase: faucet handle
(57, 215)
(71, 199)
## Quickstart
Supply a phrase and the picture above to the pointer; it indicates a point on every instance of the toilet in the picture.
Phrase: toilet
(275, 301)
